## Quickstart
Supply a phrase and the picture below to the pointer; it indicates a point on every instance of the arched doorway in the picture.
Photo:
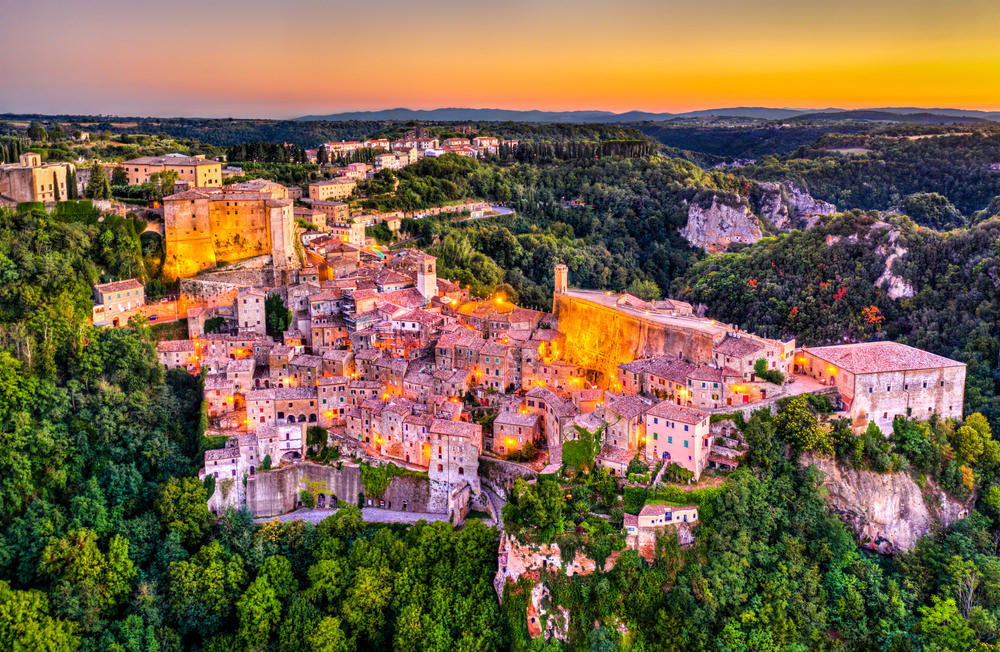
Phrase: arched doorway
(321, 501)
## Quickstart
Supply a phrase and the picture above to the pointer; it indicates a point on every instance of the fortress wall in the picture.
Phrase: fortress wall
(239, 231)
(187, 238)
(276, 492)
(599, 338)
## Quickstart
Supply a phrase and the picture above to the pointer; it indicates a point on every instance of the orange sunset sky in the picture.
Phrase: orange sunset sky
(251, 58)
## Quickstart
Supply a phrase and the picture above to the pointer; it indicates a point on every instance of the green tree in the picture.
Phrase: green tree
(88, 582)
(25, 623)
(98, 187)
(36, 131)
(119, 177)
(797, 426)
(259, 611)
(277, 315)
(944, 628)
(181, 505)
(329, 637)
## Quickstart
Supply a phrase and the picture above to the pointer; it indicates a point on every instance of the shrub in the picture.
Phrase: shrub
(308, 501)
(265, 464)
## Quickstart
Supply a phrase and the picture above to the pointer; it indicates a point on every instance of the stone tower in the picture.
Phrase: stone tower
(562, 278)
(427, 277)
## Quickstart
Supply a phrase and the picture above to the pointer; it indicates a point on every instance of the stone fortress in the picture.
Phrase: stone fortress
(205, 227)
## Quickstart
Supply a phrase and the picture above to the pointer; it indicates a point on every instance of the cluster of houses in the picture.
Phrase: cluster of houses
(393, 361)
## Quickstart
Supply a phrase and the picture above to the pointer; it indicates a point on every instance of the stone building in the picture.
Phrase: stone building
(207, 226)
(33, 180)
(199, 171)
(879, 381)
(336, 188)
(115, 302)
(250, 315)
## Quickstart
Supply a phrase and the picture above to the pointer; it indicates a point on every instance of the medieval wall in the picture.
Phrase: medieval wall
(240, 230)
(276, 492)
(599, 338)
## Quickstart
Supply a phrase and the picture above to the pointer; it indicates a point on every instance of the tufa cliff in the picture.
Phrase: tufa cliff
(888, 511)
(788, 206)
(717, 226)
(725, 219)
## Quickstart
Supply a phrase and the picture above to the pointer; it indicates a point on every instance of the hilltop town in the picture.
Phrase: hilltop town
(317, 339)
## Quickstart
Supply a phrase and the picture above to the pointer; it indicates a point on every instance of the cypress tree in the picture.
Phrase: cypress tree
(55, 186)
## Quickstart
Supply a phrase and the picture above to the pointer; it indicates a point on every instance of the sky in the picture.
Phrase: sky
(257, 58)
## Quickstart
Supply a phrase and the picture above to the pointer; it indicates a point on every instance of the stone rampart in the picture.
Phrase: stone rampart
(276, 492)
(599, 337)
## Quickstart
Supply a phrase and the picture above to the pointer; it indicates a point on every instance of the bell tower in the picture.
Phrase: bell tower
(562, 279)
(427, 277)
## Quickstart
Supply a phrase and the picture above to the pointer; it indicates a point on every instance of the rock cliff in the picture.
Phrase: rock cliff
(722, 223)
(888, 511)
(788, 206)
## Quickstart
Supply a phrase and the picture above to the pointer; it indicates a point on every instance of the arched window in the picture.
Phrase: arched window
(440, 467)
(461, 471)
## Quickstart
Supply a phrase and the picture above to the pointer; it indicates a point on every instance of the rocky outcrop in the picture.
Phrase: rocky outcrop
(896, 286)
(719, 225)
(787, 206)
(888, 511)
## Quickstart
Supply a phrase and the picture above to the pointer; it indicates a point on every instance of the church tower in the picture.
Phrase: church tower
(427, 277)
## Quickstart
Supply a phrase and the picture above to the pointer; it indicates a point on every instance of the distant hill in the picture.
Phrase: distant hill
(905, 114)
(878, 115)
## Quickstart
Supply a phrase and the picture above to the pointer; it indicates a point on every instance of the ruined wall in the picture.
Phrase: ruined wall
(599, 338)
(276, 492)
(499, 475)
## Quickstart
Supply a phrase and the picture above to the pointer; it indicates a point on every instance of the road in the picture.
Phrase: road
(369, 514)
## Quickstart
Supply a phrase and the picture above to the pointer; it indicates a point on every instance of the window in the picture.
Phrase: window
(685, 428)
(685, 443)
(888, 388)
(657, 436)
(655, 420)
(670, 440)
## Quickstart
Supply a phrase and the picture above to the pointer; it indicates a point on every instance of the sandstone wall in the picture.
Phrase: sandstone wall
(599, 338)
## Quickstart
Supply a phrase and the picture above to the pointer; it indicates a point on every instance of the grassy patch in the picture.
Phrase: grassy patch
(170, 330)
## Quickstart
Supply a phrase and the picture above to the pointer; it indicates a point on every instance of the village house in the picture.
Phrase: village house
(32, 180)
(336, 188)
(115, 302)
(678, 435)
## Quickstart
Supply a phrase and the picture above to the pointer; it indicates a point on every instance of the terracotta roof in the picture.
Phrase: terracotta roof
(706, 373)
(171, 159)
(738, 347)
(304, 360)
(292, 393)
(876, 357)
(514, 418)
(615, 455)
(175, 346)
(454, 428)
(673, 412)
(628, 407)
(228, 453)
(119, 286)
(332, 380)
